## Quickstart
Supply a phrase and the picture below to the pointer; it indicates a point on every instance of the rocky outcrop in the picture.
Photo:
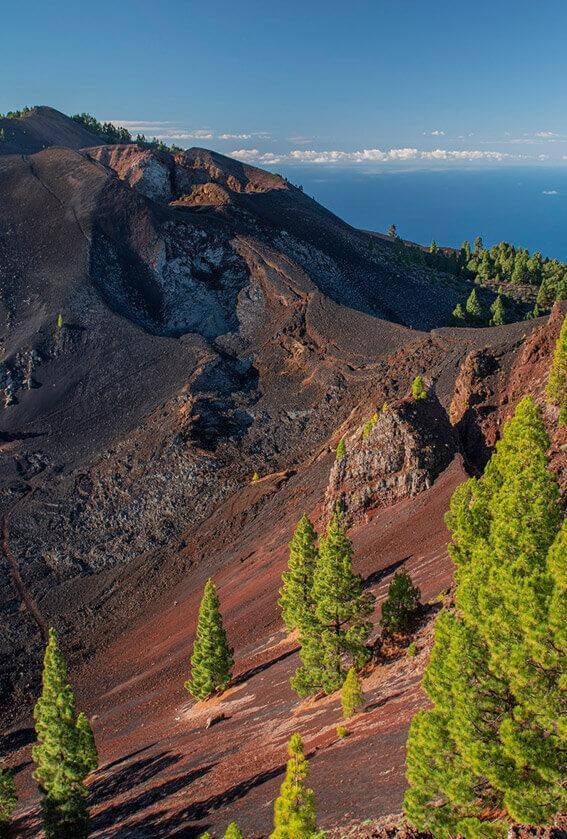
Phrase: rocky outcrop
(491, 382)
(474, 404)
(397, 456)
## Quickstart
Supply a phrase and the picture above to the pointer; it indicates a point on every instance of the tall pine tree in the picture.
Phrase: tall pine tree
(295, 816)
(337, 636)
(556, 389)
(211, 662)
(296, 601)
(60, 769)
(492, 749)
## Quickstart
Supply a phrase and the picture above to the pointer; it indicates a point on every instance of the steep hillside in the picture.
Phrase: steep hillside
(171, 324)
(40, 128)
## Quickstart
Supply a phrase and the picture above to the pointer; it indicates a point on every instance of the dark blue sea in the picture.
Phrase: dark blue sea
(525, 206)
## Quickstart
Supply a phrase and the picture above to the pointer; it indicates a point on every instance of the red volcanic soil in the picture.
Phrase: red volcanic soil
(163, 773)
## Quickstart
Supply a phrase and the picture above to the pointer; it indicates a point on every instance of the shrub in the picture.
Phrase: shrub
(341, 449)
(342, 732)
(352, 697)
(412, 649)
(401, 605)
(418, 390)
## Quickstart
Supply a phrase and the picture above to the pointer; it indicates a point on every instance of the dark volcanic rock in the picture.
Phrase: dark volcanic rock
(408, 446)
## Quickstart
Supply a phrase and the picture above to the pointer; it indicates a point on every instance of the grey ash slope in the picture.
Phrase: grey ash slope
(216, 321)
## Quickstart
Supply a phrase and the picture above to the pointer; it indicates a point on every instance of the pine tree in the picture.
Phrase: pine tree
(340, 626)
(498, 312)
(492, 749)
(433, 246)
(341, 449)
(295, 816)
(352, 697)
(392, 231)
(458, 314)
(8, 801)
(59, 321)
(556, 390)
(59, 767)
(296, 601)
(233, 832)
(211, 662)
(86, 744)
(418, 390)
(401, 605)
(473, 307)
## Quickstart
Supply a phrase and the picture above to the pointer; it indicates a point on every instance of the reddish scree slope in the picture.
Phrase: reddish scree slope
(164, 774)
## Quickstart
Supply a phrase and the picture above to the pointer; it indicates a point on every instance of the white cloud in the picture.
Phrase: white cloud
(336, 156)
(550, 192)
(545, 135)
(235, 136)
(198, 134)
(435, 133)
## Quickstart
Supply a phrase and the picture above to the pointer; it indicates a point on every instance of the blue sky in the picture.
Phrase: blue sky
(364, 84)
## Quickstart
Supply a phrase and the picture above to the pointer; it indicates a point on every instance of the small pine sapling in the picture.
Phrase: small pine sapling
(352, 697)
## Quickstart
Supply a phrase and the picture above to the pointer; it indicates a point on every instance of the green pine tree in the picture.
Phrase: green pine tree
(59, 321)
(295, 816)
(296, 601)
(59, 765)
(433, 247)
(8, 801)
(86, 744)
(352, 697)
(498, 312)
(211, 662)
(233, 832)
(341, 449)
(340, 628)
(401, 605)
(492, 749)
(458, 314)
(556, 390)
(392, 231)
(473, 307)
(418, 390)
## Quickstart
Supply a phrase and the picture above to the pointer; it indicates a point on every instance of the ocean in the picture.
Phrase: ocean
(525, 206)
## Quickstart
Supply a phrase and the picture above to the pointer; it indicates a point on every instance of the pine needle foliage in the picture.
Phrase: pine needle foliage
(86, 744)
(491, 751)
(211, 662)
(295, 815)
(341, 449)
(401, 605)
(369, 425)
(418, 390)
(60, 769)
(336, 637)
(473, 307)
(233, 832)
(8, 801)
(556, 390)
(498, 312)
(296, 599)
(352, 697)
(459, 314)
